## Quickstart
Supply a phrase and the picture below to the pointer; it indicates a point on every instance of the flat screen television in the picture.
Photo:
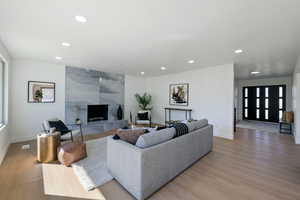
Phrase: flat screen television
(97, 112)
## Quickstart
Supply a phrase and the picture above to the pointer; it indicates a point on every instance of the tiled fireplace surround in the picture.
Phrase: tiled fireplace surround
(90, 87)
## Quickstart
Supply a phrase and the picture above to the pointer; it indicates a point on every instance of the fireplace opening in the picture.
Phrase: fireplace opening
(97, 112)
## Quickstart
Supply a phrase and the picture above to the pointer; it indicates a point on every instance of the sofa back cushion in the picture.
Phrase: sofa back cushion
(194, 125)
(154, 138)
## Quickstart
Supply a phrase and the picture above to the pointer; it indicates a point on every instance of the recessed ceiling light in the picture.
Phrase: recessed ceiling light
(255, 72)
(191, 61)
(58, 58)
(163, 68)
(142, 73)
(238, 51)
(65, 44)
(80, 19)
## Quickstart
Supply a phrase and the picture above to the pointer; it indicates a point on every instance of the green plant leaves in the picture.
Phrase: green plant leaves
(144, 101)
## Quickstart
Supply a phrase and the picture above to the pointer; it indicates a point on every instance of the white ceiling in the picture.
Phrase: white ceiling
(142, 35)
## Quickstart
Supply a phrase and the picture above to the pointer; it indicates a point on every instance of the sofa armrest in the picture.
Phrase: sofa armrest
(124, 163)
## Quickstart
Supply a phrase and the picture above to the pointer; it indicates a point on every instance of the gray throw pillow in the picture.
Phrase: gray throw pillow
(156, 137)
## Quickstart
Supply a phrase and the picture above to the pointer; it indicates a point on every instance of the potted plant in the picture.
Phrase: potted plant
(144, 115)
(144, 101)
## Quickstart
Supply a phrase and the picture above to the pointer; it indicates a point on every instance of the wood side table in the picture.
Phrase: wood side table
(47, 147)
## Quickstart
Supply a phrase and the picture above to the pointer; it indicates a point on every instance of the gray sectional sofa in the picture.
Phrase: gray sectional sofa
(142, 171)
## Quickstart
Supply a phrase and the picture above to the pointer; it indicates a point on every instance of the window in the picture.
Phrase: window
(280, 103)
(281, 108)
(266, 103)
(246, 92)
(266, 92)
(266, 114)
(281, 92)
(257, 103)
(2, 91)
(245, 102)
(280, 114)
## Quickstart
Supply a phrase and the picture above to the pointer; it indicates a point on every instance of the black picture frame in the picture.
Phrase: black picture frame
(187, 94)
(47, 86)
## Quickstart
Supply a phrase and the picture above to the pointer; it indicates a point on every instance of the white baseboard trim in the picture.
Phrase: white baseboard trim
(3, 153)
(23, 139)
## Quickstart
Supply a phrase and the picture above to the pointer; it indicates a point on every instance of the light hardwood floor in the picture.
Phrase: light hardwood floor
(256, 165)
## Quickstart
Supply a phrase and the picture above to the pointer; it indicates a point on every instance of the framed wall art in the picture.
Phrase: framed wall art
(179, 94)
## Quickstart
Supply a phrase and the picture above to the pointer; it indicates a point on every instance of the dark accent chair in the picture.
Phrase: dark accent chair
(60, 127)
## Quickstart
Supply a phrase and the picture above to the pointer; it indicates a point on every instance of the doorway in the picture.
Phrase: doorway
(264, 103)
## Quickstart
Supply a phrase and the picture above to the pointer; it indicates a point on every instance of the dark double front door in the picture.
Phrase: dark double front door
(264, 103)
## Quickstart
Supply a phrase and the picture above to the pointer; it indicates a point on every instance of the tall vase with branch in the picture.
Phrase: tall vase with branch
(144, 101)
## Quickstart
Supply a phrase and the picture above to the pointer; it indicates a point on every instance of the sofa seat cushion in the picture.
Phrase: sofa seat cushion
(194, 125)
(130, 136)
(156, 137)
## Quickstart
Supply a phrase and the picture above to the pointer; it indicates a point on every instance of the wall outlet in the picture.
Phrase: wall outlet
(26, 146)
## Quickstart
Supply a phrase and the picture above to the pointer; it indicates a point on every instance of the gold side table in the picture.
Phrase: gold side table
(47, 147)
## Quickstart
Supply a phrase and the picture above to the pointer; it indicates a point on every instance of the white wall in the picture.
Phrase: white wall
(133, 85)
(26, 118)
(296, 102)
(211, 96)
(4, 131)
(286, 80)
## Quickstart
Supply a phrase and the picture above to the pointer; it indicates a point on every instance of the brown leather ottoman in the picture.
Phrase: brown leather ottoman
(71, 152)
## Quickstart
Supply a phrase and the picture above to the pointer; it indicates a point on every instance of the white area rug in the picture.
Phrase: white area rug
(92, 171)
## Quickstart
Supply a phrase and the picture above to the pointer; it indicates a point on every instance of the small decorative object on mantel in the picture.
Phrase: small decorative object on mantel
(41, 92)
(179, 94)
(77, 121)
(120, 113)
(130, 118)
